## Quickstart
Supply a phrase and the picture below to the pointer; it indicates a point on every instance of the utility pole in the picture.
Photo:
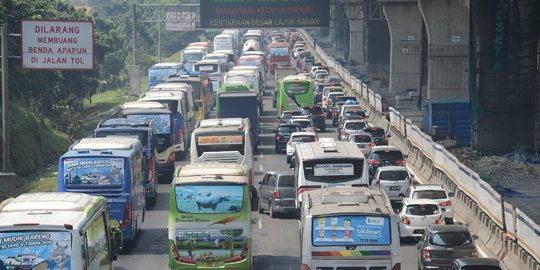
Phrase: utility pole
(159, 42)
(135, 72)
(5, 100)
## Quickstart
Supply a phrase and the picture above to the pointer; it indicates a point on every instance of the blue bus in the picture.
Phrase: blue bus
(112, 168)
(164, 121)
(144, 131)
(160, 72)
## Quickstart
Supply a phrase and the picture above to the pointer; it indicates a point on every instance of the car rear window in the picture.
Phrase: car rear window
(422, 209)
(361, 139)
(286, 181)
(450, 239)
(376, 132)
(355, 125)
(304, 139)
(355, 113)
(288, 129)
(394, 175)
(314, 109)
(303, 124)
(388, 155)
(429, 194)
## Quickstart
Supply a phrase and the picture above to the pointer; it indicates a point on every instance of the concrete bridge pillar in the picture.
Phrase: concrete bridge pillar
(356, 33)
(333, 34)
(405, 25)
(447, 30)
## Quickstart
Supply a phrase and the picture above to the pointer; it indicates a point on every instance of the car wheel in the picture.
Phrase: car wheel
(271, 212)
(259, 206)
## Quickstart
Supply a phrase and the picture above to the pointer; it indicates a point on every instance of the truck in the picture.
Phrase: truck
(241, 105)
(280, 73)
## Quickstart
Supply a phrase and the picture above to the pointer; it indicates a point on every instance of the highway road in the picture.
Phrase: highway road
(276, 243)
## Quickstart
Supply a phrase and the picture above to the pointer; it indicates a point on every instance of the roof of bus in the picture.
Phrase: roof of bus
(235, 72)
(246, 68)
(48, 208)
(250, 57)
(166, 65)
(296, 78)
(228, 124)
(223, 35)
(328, 150)
(124, 122)
(278, 44)
(115, 143)
(208, 61)
(159, 95)
(210, 172)
(193, 50)
(143, 105)
(180, 86)
(347, 200)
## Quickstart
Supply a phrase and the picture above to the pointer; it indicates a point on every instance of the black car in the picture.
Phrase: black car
(283, 132)
(476, 264)
(385, 156)
(379, 135)
(330, 104)
(287, 115)
(317, 114)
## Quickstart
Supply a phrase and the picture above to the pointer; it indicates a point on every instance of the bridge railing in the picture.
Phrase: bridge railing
(503, 232)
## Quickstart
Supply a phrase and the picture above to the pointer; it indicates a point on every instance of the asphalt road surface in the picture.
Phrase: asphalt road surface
(276, 244)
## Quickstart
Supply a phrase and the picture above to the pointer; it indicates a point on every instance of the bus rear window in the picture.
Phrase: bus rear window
(204, 69)
(209, 199)
(333, 171)
(93, 171)
(296, 88)
(351, 230)
(162, 122)
(219, 143)
(35, 250)
(162, 74)
(135, 134)
(279, 51)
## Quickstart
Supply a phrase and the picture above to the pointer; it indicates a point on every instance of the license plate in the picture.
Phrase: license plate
(395, 188)
(210, 264)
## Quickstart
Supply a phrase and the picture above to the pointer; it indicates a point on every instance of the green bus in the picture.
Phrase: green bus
(238, 84)
(209, 221)
(295, 92)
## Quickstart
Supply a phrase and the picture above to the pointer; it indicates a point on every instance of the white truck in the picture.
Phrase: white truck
(280, 73)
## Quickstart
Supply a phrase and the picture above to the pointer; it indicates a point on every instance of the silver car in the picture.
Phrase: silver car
(351, 127)
(394, 180)
(364, 141)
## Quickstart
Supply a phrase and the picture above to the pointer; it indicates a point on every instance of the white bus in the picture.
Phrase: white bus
(349, 228)
(215, 70)
(328, 163)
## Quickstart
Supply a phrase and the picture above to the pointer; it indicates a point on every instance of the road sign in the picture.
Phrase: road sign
(57, 44)
(180, 21)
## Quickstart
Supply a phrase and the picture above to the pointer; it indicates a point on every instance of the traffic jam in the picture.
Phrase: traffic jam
(350, 190)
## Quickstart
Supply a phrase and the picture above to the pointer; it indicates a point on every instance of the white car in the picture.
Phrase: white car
(296, 138)
(363, 140)
(416, 215)
(306, 124)
(437, 193)
(394, 180)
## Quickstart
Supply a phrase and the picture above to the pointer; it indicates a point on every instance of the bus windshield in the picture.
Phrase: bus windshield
(279, 51)
(161, 121)
(161, 74)
(93, 171)
(249, 62)
(333, 170)
(209, 199)
(351, 230)
(296, 88)
(192, 56)
(36, 249)
(220, 142)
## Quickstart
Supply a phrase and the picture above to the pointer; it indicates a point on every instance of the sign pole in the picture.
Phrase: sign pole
(5, 100)
(159, 41)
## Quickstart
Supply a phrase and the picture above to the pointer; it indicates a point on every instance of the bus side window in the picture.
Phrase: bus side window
(185, 104)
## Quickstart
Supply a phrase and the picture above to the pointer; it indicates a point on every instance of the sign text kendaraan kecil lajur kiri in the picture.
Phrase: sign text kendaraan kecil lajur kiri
(264, 13)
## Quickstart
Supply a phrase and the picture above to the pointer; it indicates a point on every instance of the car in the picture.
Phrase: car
(306, 124)
(379, 135)
(327, 92)
(437, 193)
(333, 80)
(440, 245)
(364, 141)
(317, 114)
(283, 132)
(351, 127)
(415, 215)
(476, 264)
(296, 138)
(320, 76)
(394, 180)
(385, 156)
(277, 193)
(330, 102)
(287, 115)
(297, 51)
(334, 114)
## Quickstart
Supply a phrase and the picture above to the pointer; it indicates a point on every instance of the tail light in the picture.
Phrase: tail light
(322, 114)
(447, 203)
(425, 255)
(401, 162)
(171, 157)
(397, 266)
(406, 221)
(302, 189)
(385, 138)
(378, 183)
(242, 256)
(374, 162)
(151, 170)
(474, 253)
(186, 260)
(440, 220)
(278, 137)
(276, 194)
(305, 267)
(371, 144)
(344, 134)
(126, 220)
(180, 136)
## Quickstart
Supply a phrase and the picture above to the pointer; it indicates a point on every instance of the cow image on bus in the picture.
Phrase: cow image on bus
(295, 92)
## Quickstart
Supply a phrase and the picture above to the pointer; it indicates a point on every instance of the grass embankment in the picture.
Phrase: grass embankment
(54, 143)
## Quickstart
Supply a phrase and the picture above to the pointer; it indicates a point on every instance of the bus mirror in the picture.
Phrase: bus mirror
(117, 242)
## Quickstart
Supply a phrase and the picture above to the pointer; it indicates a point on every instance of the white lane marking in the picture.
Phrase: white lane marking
(260, 223)
(260, 167)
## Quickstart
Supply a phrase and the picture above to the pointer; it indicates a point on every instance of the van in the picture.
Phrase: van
(53, 230)
(112, 168)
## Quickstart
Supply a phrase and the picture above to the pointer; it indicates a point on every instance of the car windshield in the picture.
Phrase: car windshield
(394, 175)
(429, 194)
(286, 181)
(303, 139)
(288, 129)
(450, 239)
(388, 155)
(361, 139)
(422, 209)
(355, 125)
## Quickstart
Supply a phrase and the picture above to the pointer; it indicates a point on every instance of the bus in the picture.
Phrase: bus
(328, 163)
(295, 92)
(112, 168)
(57, 230)
(159, 73)
(214, 69)
(163, 120)
(190, 56)
(202, 91)
(225, 42)
(146, 133)
(236, 84)
(349, 228)
(278, 54)
(209, 223)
